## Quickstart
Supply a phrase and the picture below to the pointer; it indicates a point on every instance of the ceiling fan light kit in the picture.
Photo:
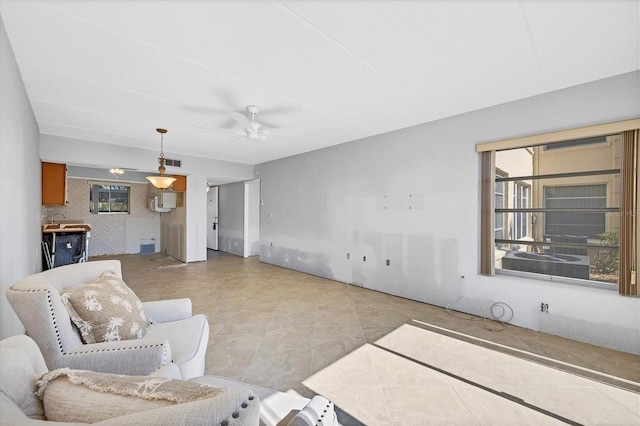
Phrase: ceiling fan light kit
(252, 129)
(116, 171)
(162, 181)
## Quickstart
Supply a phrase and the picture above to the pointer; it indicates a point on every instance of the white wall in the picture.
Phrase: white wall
(20, 187)
(196, 209)
(252, 218)
(412, 197)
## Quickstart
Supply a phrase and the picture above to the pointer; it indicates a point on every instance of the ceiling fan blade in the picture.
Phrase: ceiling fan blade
(286, 131)
(213, 129)
(235, 139)
(241, 119)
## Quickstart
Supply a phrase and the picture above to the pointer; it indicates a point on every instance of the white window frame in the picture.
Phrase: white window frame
(520, 201)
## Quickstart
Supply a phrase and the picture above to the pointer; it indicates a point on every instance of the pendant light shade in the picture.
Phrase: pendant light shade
(162, 181)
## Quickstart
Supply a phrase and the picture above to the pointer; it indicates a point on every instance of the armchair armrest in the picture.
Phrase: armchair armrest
(232, 408)
(318, 411)
(131, 357)
(169, 371)
(168, 310)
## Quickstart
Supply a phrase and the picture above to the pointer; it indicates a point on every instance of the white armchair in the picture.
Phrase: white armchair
(22, 368)
(175, 334)
(32, 395)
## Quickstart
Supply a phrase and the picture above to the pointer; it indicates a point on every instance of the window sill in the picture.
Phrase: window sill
(103, 213)
(558, 279)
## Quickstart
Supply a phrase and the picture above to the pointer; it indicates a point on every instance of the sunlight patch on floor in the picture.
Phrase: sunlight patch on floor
(420, 377)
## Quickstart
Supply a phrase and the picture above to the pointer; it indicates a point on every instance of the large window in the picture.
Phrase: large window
(564, 207)
(105, 198)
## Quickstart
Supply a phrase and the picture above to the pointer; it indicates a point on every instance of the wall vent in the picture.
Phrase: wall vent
(174, 163)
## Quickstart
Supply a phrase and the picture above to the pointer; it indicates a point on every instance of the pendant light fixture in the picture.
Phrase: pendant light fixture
(162, 181)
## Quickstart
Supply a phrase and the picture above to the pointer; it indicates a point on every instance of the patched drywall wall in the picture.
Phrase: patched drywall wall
(399, 213)
(231, 218)
(239, 218)
(173, 233)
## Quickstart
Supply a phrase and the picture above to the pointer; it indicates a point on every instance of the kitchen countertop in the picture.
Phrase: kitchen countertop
(66, 227)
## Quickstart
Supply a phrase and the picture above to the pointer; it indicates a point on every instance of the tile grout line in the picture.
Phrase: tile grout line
(504, 395)
(255, 355)
(471, 413)
(379, 386)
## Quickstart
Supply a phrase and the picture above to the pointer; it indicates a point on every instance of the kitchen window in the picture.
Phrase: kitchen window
(106, 198)
(572, 209)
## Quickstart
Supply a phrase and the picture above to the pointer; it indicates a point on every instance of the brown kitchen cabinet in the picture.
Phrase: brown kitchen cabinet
(54, 184)
(180, 185)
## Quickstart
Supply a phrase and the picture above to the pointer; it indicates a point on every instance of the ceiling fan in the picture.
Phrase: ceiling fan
(252, 129)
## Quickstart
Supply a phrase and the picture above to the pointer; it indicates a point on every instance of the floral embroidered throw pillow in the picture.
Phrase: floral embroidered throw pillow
(105, 309)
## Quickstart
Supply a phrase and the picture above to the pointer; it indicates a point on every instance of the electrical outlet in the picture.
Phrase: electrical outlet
(544, 307)
(348, 256)
(388, 262)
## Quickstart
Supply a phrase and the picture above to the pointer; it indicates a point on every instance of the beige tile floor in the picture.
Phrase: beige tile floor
(275, 327)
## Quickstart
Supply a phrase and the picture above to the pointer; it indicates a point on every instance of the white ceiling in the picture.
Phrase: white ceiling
(113, 71)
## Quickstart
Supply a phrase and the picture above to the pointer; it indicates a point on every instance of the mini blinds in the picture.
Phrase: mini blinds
(487, 260)
(564, 203)
(629, 215)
